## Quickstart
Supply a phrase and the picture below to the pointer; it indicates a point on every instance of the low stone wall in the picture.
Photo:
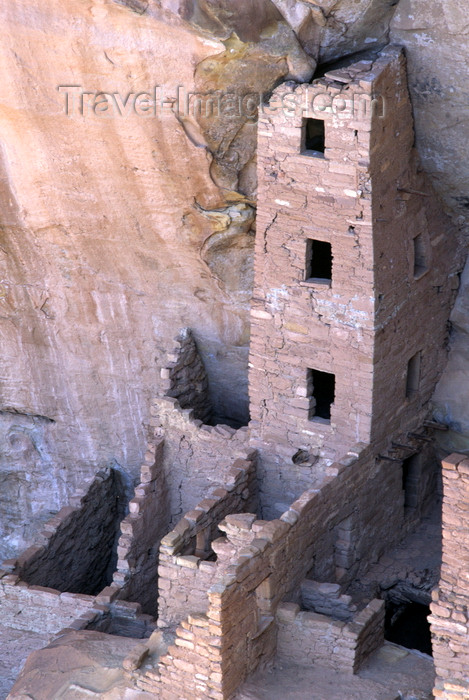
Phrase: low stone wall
(141, 532)
(39, 609)
(307, 638)
(326, 599)
(184, 574)
(75, 549)
(122, 618)
(449, 620)
(185, 379)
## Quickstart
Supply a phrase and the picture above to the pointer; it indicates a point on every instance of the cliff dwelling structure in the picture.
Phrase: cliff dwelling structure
(197, 506)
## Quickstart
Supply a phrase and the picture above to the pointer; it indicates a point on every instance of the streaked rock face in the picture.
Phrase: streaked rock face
(122, 222)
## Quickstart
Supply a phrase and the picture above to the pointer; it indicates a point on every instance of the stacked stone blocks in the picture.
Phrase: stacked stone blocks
(307, 638)
(185, 573)
(450, 619)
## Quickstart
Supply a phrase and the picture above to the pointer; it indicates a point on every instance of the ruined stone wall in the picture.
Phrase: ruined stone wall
(37, 608)
(141, 530)
(307, 638)
(299, 323)
(263, 564)
(118, 617)
(449, 619)
(185, 575)
(185, 378)
(78, 550)
(193, 664)
(196, 457)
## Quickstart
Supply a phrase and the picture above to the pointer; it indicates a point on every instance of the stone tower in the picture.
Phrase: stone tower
(352, 274)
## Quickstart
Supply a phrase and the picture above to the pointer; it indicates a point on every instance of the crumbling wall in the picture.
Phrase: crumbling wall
(308, 638)
(37, 608)
(185, 573)
(185, 379)
(272, 559)
(196, 457)
(326, 599)
(120, 617)
(141, 531)
(77, 552)
(449, 619)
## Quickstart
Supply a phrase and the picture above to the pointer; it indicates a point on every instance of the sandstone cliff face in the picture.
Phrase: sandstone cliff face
(120, 225)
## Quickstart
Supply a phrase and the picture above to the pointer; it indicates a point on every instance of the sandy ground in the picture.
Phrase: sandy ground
(392, 673)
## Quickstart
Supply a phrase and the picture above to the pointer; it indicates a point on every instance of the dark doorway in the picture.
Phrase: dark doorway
(407, 624)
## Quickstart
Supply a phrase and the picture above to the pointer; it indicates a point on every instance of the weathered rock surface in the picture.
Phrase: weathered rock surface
(16, 645)
(78, 665)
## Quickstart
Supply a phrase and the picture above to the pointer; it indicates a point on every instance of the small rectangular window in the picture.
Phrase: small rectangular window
(318, 260)
(413, 376)
(420, 262)
(321, 393)
(313, 136)
(411, 481)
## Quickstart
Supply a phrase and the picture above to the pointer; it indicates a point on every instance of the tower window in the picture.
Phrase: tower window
(420, 262)
(321, 393)
(318, 260)
(413, 376)
(313, 135)
(411, 481)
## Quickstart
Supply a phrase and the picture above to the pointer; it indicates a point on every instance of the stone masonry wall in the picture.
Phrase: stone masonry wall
(264, 566)
(196, 457)
(78, 544)
(185, 575)
(449, 619)
(185, 379)
(37, 608)
(413, 281)
(307, 638)
(141, 532)
(366, 197)
(326, 599)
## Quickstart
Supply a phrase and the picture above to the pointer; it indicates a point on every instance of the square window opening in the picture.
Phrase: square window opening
(321, 393)
(413, 376)
(420, 258)
(318, 260)
(313, 135)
